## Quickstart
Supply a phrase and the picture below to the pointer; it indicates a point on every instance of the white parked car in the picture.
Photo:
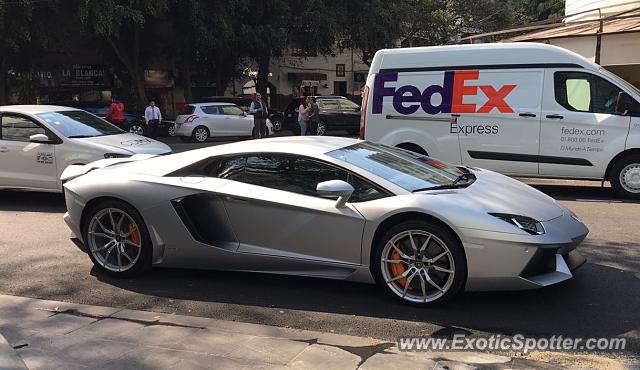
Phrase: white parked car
(198, 122)
(37, 142)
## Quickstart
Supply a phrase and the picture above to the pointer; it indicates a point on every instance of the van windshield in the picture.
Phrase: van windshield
(621, 81)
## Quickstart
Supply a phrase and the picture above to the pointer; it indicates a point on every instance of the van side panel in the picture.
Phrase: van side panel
(502, 127)
(409, 108)
(580, 133)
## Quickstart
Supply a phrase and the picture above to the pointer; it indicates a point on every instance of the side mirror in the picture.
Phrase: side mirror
(623, 103)
(40, 138)
(336, 189)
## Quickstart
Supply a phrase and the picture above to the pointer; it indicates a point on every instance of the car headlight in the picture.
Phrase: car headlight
(524, 223)
(116, 155)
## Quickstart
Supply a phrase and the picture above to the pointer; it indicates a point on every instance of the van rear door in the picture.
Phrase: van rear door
(580, 131)
(498, 120)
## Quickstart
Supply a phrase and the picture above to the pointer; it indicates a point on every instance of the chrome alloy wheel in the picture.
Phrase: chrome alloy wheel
(171, 130)
(201, 134)
(630, 178)
(136, 129)
(114, 239)
(321, 129)
(417, 266)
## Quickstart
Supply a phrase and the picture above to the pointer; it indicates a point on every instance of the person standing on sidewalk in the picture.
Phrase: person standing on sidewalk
(115, 114)
(303, 116)
(152, 117)
(314, 116)
(260, 112)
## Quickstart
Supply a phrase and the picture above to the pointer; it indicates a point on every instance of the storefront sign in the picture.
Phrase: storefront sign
(311, 83)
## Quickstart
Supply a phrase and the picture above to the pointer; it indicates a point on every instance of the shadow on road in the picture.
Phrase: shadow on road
(31, 201)
(597, 302)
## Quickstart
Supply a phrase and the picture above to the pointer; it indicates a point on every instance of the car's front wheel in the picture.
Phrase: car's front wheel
(117, 239)
(420, 262)
(625, 177)
(200, 134)
(171, 130)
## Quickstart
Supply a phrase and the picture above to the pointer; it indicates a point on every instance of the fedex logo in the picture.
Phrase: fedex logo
(456, 85)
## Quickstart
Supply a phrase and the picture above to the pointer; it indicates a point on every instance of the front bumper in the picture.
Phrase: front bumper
(499, 261)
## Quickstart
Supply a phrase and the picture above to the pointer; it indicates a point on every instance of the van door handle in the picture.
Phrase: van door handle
(555, 116)
(527, 114)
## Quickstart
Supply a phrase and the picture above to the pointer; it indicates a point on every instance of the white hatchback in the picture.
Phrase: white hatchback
(198, 122)
(37, 142)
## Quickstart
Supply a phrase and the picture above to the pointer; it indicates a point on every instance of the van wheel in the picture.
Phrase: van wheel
(625, 177)
(412, 147)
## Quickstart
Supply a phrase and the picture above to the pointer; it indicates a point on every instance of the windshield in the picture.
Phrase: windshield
(409, 170)
(622, 81)
(78, 123)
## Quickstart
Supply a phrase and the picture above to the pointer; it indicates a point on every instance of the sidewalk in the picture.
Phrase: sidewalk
(57, 335)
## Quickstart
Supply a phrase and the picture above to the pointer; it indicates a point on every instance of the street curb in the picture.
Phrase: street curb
(9, 359)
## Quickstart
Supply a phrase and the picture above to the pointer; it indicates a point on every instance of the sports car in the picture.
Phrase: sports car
(327, 207)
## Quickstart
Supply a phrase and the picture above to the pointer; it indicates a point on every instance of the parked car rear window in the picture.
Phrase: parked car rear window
(328, 104)
(348, 104)
(188, 109)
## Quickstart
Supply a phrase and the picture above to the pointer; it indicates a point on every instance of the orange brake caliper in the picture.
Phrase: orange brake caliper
(397, 268)
(135, 235)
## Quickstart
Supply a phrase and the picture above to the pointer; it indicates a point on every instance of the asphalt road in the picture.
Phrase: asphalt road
(37, 260)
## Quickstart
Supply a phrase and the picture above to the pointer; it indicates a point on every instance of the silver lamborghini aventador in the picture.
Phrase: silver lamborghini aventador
(325, 207)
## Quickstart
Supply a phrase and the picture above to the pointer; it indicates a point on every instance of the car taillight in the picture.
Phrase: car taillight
(363, 116)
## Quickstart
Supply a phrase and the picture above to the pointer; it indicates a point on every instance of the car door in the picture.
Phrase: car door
(350, 114)
(330, 112)
(497, 119)
(274, 210)
(237, 121)
(24, 164)
(215, 120)
(580, 131)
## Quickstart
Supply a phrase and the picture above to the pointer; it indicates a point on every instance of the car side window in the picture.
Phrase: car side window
(231, 169)
(328, 104)
(301, 176)
(18, 128)
(231, 110)
(584, 92)
(210, 109)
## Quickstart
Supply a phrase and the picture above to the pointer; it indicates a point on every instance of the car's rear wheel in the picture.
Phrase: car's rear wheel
(171, 130)
(117, 239)
(200, 134)
(277, 124)
(625, 177)
(137, 128)
(420, 263)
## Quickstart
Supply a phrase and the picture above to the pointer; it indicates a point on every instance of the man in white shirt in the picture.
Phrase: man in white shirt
(152, 117)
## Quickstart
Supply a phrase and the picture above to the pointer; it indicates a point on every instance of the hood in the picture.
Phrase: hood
(496, 193)
(131, 143)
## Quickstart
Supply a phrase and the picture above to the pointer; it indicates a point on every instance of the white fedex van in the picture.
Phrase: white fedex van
(524, 109)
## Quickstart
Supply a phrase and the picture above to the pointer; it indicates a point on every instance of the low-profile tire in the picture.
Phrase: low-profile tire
(200, 134)
(432, 274)
(117, 239)
(625, 177)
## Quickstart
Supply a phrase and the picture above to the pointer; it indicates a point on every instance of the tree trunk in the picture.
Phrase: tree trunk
(3, 80)
(263, 74)
(185, 78)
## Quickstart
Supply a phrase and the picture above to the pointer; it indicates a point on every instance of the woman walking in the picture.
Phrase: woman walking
(303, 116)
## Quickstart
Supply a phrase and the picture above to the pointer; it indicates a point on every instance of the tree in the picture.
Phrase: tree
(120, 24)
(15, 18)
